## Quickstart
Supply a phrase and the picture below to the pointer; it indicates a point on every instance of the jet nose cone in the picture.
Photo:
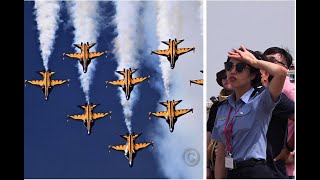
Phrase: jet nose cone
(46, 98)
(171, 129)
(130, 164)
(84, 70)
(172, 67)
(89, 132)
(127, 97)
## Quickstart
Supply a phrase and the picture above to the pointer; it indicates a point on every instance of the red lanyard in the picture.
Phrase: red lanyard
(229, 133)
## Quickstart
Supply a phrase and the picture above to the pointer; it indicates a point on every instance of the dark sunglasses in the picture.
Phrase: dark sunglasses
(274, 60)
(228, 66)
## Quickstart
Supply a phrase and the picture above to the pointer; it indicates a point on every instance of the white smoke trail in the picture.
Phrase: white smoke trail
(181, 20)
(149, 18)
(168, 25)
(126, 45)
(47, 17)
(85, 18)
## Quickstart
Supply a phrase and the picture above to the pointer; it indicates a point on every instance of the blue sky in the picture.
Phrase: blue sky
(55, 148)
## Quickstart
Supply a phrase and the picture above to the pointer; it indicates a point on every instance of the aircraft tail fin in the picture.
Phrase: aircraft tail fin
(77, 45)
(166, 42)
(135, 136)
(51, 72)
(133, 70)
(179, 41)
(176, 102)
(91, 45)
(120, 72)
(124, 136)
(41, 72)
(82, 106)
(94, 105)
(164, 103)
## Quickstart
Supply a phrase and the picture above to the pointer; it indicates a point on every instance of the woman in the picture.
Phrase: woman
(221, 78)
(242, 120)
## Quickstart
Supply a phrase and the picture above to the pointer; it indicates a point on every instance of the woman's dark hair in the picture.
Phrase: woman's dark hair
(257, 80)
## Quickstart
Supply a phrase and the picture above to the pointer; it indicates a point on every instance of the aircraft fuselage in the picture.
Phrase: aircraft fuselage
(130, 154)
(128, 87)
(85, 60)
(171, 117)
(172, 56)
(47, 83)
(89, 118)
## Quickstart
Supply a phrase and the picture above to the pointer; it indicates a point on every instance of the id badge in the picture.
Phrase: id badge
(228, 161)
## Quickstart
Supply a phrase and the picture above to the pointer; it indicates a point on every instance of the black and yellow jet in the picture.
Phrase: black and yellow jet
(198, 81)
(173, 52)
(127, 83)
(171, 115)
(88, 117)
(46, 83)
(130, 148)
(84, 56)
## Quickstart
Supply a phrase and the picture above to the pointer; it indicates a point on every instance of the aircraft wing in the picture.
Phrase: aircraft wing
(73, 55)
(57, 82)
(36, 82)
(117, 82)
(139, 146)
(179, 41)
(138, 80)
(99, 115)
(78, 117)
(166, 42)
(119, 147)
(162, 114)
(96, 54)
(161, 52)
(181, 112)
(181, 51)
(199, 81)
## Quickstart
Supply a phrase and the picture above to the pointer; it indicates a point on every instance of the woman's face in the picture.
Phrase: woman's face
(238, 79)
(226, 84)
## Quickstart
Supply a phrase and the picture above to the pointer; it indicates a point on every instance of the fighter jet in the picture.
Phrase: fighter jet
(84, 56)
(127, 83)
(46, 84)
(173, 52)
(198, 81)
(88, 117)
(171, 115)
(130, 148)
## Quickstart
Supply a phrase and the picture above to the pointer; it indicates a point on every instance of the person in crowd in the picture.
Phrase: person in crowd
(277, 132)
(242, 120)
(283, 57)
(221, 78)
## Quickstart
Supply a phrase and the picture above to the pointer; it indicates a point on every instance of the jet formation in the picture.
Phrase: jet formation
(173, 52)
(130, 148)
(84, 56)
(88, 117)
(171, 115)
(46, 83)
(127, 83)
(198, 81)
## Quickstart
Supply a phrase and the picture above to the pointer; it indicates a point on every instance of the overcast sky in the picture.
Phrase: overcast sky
(256, 25)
